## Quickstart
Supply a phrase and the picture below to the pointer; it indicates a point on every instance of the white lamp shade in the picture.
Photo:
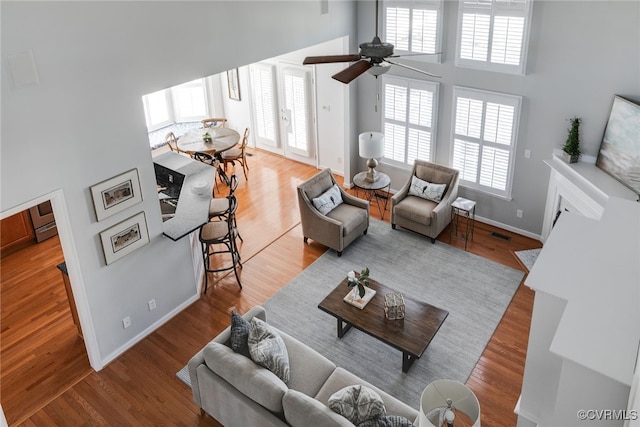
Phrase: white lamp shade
(371, 145)
(433, 402)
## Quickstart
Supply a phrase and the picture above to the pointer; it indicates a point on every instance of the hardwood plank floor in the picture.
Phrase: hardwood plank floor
(140, 387)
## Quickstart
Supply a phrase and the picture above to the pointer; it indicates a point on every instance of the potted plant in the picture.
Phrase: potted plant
(571, 149)
(360, 281)
(207, 137)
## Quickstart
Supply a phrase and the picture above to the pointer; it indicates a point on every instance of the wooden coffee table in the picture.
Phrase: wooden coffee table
(410, 335)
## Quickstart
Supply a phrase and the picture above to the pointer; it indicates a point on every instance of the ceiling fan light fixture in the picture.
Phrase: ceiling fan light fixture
(379, 69)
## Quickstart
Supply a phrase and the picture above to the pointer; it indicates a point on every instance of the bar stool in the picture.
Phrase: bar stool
(219, 237)
(218, 206)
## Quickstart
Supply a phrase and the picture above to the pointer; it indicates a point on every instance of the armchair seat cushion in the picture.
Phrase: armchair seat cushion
(416, 209)
(350, 216)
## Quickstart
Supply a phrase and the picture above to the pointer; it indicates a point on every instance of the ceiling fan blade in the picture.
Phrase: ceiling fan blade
(349, 74)
(330, 58)
(412, 68)
(414, 54)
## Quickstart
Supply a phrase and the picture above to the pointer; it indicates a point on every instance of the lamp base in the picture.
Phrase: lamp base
(372, 173)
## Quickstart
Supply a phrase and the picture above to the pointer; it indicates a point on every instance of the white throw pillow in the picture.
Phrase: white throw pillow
(357, 403)
(267, 349)
(426, 190)
(327, 201)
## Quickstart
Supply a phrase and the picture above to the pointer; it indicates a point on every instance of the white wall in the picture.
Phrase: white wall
(581, 54)
(84, 123)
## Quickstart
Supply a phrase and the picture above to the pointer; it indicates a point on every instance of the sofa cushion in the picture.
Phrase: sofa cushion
(415, 209)
(304, 411)
(329, 200)
(387, 421)
(350, 216)
(426, 190)
(309, 369)
(239, 334)
(341, 378)
(357, 403)
(267, 349)
(318, 184)
(257, 383)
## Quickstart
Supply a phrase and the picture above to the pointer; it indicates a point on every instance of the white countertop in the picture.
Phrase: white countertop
(595, 266)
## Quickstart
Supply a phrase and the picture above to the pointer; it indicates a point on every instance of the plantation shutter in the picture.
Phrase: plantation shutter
(264, 104)
(492, 34)
(484, 139)
(408, 121)
(414, 27)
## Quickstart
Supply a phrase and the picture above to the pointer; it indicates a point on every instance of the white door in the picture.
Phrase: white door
(297, 122)
(264, 106)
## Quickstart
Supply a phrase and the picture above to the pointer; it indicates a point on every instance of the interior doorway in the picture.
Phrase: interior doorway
(41, 351)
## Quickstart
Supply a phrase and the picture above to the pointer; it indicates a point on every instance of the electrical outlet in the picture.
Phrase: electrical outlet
(527, 154)
(519, 213)
(152, 304)
(126, 322)
(171, 178)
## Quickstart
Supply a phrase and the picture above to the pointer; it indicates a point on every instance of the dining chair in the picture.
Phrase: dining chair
(238, 154)
(171, 140)
(214, 122)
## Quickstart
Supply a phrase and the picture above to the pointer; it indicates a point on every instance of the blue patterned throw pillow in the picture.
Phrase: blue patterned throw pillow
(357, 403)
(267, 349)
(239, 334)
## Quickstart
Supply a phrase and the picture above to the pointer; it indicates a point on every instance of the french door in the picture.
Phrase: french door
(296, 113)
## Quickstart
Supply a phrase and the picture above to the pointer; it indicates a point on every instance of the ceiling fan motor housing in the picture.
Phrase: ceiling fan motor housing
(376, 50)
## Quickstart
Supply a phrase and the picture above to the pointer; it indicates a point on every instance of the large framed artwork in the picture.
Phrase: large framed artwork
(619, 154)
(116, 194)
(124, 237)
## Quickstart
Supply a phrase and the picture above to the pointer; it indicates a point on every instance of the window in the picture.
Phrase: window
(190, 101)
(408, 120)
(156, 109)
(264, 103)
(484, 139)
(492, 34)
(414, 27)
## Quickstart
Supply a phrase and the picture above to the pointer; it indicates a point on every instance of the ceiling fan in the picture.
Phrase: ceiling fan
(373, 56)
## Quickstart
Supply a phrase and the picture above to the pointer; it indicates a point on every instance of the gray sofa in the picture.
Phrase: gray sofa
(421, 215)
(237, 392)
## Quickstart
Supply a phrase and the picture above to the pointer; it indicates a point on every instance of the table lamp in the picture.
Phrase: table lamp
(443, 400)
(371, 146)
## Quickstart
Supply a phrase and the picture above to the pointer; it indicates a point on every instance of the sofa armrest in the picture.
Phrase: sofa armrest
(198, 359)
(353, 200)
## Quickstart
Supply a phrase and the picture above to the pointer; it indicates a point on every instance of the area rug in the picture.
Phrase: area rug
(528, 257)
(475, 291)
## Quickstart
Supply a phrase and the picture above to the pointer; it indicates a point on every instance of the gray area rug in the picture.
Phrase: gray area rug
(475, 291)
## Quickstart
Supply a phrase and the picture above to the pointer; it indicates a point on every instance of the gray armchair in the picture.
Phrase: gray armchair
(339, 227)
(422, 215)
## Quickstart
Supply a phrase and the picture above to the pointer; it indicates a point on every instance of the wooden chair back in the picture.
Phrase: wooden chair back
(171, 140)
(214, 122)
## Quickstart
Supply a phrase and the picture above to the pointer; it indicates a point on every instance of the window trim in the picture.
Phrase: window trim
(438, 5)
(496, 9)
(496, 97)
(434, 87)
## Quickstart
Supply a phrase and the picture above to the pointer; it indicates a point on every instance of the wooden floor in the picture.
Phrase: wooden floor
(140, 387)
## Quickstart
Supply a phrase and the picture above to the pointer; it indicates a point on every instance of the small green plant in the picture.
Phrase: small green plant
(360, 280)
(572, 145)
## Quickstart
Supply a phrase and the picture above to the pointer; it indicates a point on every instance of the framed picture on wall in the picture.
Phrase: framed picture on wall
(116, 194)
(124, 237)
(234, 84)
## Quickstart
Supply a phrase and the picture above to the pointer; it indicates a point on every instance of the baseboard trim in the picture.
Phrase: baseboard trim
(150, 329)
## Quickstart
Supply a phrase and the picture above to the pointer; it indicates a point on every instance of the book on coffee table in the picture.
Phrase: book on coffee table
(360, 302)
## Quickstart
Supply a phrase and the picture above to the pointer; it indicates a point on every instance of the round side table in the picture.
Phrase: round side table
(372, 189)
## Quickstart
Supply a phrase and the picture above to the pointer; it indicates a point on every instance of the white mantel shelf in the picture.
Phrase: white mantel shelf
(594, 265)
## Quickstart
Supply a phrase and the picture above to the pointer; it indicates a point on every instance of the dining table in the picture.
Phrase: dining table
(222, 139)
